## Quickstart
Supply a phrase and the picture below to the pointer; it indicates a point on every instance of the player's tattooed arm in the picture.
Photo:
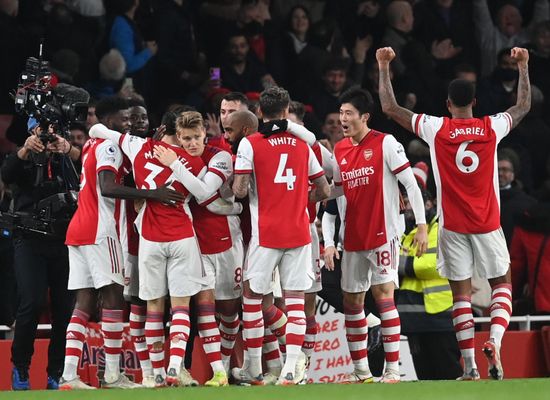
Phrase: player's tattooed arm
(240, 185)
(387, 98)
(523, 102)
(320, 191)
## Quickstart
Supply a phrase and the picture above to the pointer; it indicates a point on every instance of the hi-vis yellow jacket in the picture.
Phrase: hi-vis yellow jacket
(421, 274)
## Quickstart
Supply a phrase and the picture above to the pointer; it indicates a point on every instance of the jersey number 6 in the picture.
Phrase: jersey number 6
(462, 154)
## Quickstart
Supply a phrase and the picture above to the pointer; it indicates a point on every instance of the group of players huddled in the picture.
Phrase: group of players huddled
(231, 222)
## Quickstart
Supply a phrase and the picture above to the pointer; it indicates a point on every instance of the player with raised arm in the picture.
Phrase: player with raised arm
(277, 167)
(463, 152)
(369, 165)
(169, 258)
(95, 256)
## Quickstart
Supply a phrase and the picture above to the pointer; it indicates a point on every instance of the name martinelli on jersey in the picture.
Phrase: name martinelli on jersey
(357, 177)
(149, 156)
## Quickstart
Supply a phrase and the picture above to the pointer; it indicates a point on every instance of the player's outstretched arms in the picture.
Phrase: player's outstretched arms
(390, 107)
(301, 132)
(100, 131)
(202, 189)
(523, 102)
(110, 188)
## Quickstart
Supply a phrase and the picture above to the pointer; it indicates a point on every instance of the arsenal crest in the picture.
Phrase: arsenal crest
(367, 154)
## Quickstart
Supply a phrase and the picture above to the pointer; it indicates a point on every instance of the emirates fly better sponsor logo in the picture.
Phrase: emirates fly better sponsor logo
(357, 177)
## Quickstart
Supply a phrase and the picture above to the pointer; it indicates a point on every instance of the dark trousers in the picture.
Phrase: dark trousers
(7, 283)
(435, 355)
(41, 264)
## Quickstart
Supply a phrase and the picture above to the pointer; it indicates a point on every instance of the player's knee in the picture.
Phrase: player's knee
(354, 298)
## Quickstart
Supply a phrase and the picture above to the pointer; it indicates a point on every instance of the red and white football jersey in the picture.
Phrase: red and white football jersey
(158, 222)
(367, 172)
(464, 162)
(95, 218)
(281, 166)
(214, 232)
(129, 238)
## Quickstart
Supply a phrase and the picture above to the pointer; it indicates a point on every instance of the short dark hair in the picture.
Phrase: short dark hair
(136, 102)
(236, 96)
(335, 64)
(109, 106)
(508, 154)
(170, 117)
(274, 101)
(461, 92)
(361, 99)
(297, 108)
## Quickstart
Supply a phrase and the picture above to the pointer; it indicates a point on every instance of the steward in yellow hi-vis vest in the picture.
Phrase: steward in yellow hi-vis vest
(425, 301)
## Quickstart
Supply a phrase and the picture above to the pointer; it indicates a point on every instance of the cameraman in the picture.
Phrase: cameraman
(36, 171)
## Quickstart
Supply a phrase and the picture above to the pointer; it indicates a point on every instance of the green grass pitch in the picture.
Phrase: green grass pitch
(526, 389)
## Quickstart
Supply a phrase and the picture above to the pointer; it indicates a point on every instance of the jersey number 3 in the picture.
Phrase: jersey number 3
(285, 175)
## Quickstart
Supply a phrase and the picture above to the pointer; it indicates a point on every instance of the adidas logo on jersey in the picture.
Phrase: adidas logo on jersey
(275, 128)
(344, 161)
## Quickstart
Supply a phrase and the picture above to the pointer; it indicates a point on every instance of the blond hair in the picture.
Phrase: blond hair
(189, 120)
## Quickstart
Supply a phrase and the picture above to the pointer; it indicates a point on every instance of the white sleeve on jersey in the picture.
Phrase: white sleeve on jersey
(314, 168)
(221, 164)
(245, 158)
(223, 207)
(131, 145)
(108, 156)
(301, 132)
(394, 155)
(202, 188)
(328, 226)
(426, 127)
(328, 161)
(501, 124)
(100, 131)
(407, 178)
(336, 177)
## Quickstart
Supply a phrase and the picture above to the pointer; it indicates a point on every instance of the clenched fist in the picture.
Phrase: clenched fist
(385, 55)
(521, 56)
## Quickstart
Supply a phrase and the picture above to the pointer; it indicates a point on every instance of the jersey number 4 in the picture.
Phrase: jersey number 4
(285, 175)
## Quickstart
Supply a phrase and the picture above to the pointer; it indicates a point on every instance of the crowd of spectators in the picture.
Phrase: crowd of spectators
(166, 52)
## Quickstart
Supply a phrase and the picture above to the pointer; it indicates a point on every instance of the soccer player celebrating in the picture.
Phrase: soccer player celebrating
(219, 237)
(278, 167)
(463, 153)
(169, 258)
(369, 165)
(326, 160)
(94, 249)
